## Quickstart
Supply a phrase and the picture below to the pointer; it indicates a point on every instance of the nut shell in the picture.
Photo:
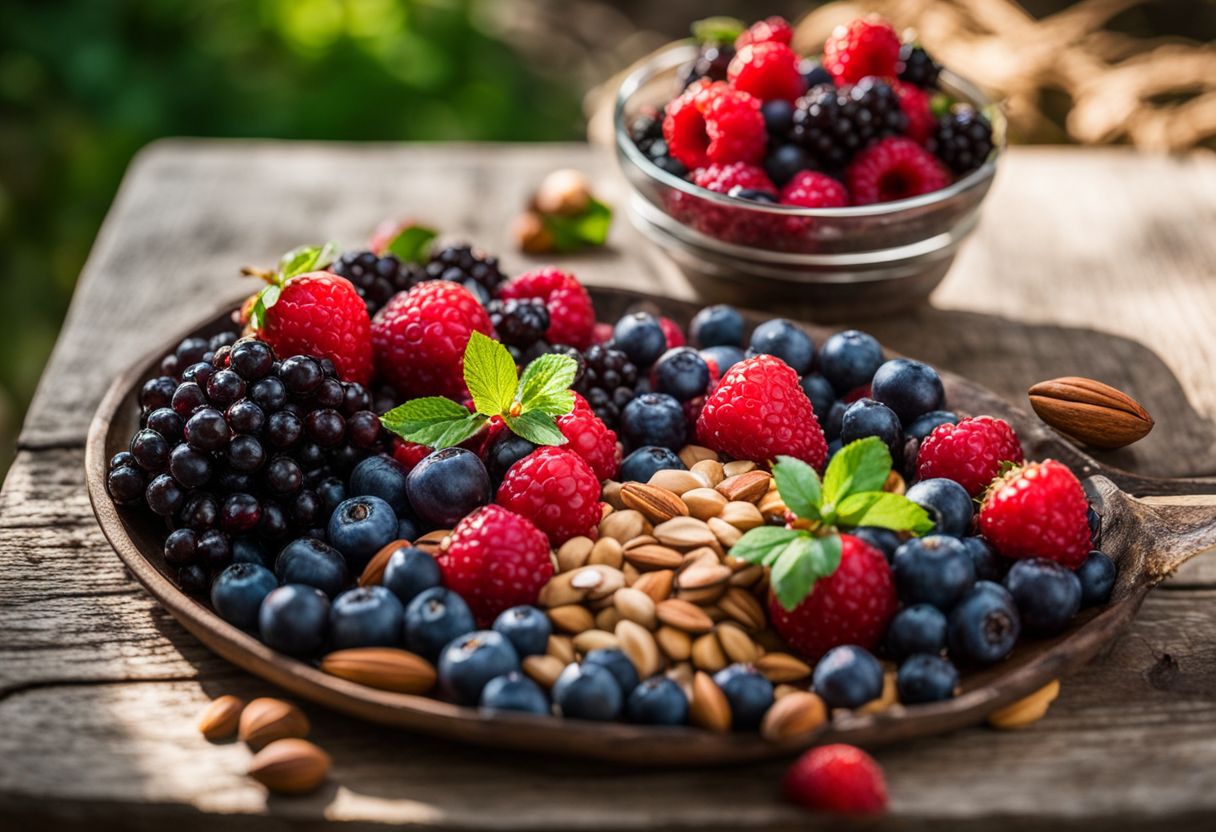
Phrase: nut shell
(290, 766)
(219, 719)
(265, 720)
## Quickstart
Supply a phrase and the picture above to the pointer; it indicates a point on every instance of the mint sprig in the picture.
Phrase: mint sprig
(528, 406)
(718, 30)
(412, 244)
(586, 229)
(298, 261)
(849, 495)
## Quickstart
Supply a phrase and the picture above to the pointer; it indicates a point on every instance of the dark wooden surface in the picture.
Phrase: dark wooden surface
(1087, 262)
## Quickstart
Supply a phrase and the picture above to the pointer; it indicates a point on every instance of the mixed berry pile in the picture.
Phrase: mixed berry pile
(733, 527)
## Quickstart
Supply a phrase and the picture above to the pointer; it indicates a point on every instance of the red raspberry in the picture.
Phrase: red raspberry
(970, 453)
(588, 436)
(768, 71)
(862, 392)
(420, 336)
(319, 314)
(775, 28)
(555, 489)
(867, 46)
(713, 122)
(675, 335)
(894, 168)
(836, 778)
(571, 316)
(494, 559)
(853, 605)
(758, 411)
(915, 103)
(1038, 511)
(409, 454)
(601, 333)
(721, 178)
(810, 189)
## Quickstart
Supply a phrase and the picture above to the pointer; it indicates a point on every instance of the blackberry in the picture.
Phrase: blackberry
(918, 68)
(832, 124)
(519, 323)
(376, 279)
(711, 62)
(474, 269)
(647, 133)
(963, 139)
(609, 382)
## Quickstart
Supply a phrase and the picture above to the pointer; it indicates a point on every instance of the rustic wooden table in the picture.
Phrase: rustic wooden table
(1096, 263)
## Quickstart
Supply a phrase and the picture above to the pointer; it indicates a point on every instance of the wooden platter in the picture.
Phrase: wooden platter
(1149, 535)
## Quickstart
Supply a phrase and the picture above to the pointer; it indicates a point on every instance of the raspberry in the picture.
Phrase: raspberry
(321, 314)
(494, 559)
(420, 338)
(727, 223)
(409, 454)
(970, 453)
(601, 333)
(571, 316)
(915, 103)
(722, 178)
(555, 489)
(768, 71)
(895, 168)
(867, 46)
(675, 335)
(836, 778)
(810, 189)
(1038, 511)
(758, 411)
(588, 436)
(713, 122)
(775, 28)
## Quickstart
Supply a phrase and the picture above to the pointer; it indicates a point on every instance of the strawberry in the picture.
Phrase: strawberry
(1038, 510)
(836, 778)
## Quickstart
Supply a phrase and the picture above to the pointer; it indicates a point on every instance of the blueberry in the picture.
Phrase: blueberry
(948, 503)
(409, 571)
(748, 693)
(313, 563)
(654, 419)
(681, 373)
(717, 326)
(815, 75)
(909, 388)
(508, 449)
(407, 528)
(381, 476)
(640, 337)
(932, 570)
(618, 664)
(753, 195)
(366, 616)
(447, 485)
(1095, 527)
(884, 540)
(435, 617)
(834, 448)
(588, 691)
(360, 527)
(989, 566)
(924, 424)
(723, 357)
(847, 677)
(642, 464)
(920, 628)
(294, 619)
(214, 550)
(246, 549)
(1047, 594)
(163, 495)
(819, 390)
(469, 661)
(867, 417)
(835, 420)
(778, 116)
(514, 692)
(1097, 575)
(786, 340)
(784, 163)
(984, 625)
(657, 701)
(849, 359)
(237, 593)
(193, 579)
(332, 491)
(527, 628)
(926, 678)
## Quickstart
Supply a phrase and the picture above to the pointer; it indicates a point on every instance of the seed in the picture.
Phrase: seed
(743, 607)
(782, 667)
(562, 648)
(709, 708)
(737, 467)
(675, 644)
(656, 504)
(684, 533)
(794, 714)
(543, 670)
(608, 551)
(707, 653)
(652, 556)
(656, 584)
(726, 534)
(624, 525)
(635, 605)
(742, 516)
(265, 720)
(684, 616)
(571, 618)
(748, 487)
(691, 455)
(676, 481)
(736, 644)
(703, 503)
(290, 766)
(711, 469)
(589, 640)
(1025, 711)
(218, 720)
(574, 553)
(639, 645)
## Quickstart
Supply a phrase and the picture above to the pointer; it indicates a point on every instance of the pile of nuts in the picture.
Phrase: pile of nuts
(284, 761)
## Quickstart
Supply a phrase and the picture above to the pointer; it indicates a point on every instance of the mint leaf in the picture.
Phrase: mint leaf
(889, 511)
(793, 574)
(826, 556)
(305, 259)
(455, 432)
(588, 228)
(266, 298)
(412, 244)
(431, 421)
(538, 428)
(717, 30)
(764, 544)
(858, 466)
(798, 485)
(544, 385)
(489, 373)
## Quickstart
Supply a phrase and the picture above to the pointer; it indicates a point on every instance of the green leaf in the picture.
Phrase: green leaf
(719, 29)
(858, 466)
(793, 574)
(764, 543)
(827, 555)
(588, 228)
(889, 511)
(305, 259)
(432, 421)
(536, 427)
(489, 372)
(544, 385)
(266, 298)
(412, 244)
(798, 485)
(457, 431)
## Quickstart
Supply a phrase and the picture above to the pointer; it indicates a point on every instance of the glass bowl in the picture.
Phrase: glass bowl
(825, 262)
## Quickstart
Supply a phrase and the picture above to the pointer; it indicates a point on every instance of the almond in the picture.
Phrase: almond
(737, 467)
(743, 516)
(711, 470)
(432, 541)
(748, 575)
(624, 525)
(373, 573)
(589, 640)
(1090, 412)
(794, 714)
(726, 534)
(703, 503)
(702, 575)
(608, 551)
(707, 653)
(748, 487)
(574, 553)
(652, 556)
(560, 647)
(386, 668)
(1025, 711)
(888, 697)
(543, 670)
(639, 645)
(675, 644)
(676, 481)
(611, 494)
(608, 617)
(219, 719)
(656, 504)
(743, 607)
(684, 616)
(265, 720)
(656, 584)
(782, 667)
(684, 532)
(709, 708)
(635, 605)
(736, 644)
(290, 766)
(571, 618)
(691, 455)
